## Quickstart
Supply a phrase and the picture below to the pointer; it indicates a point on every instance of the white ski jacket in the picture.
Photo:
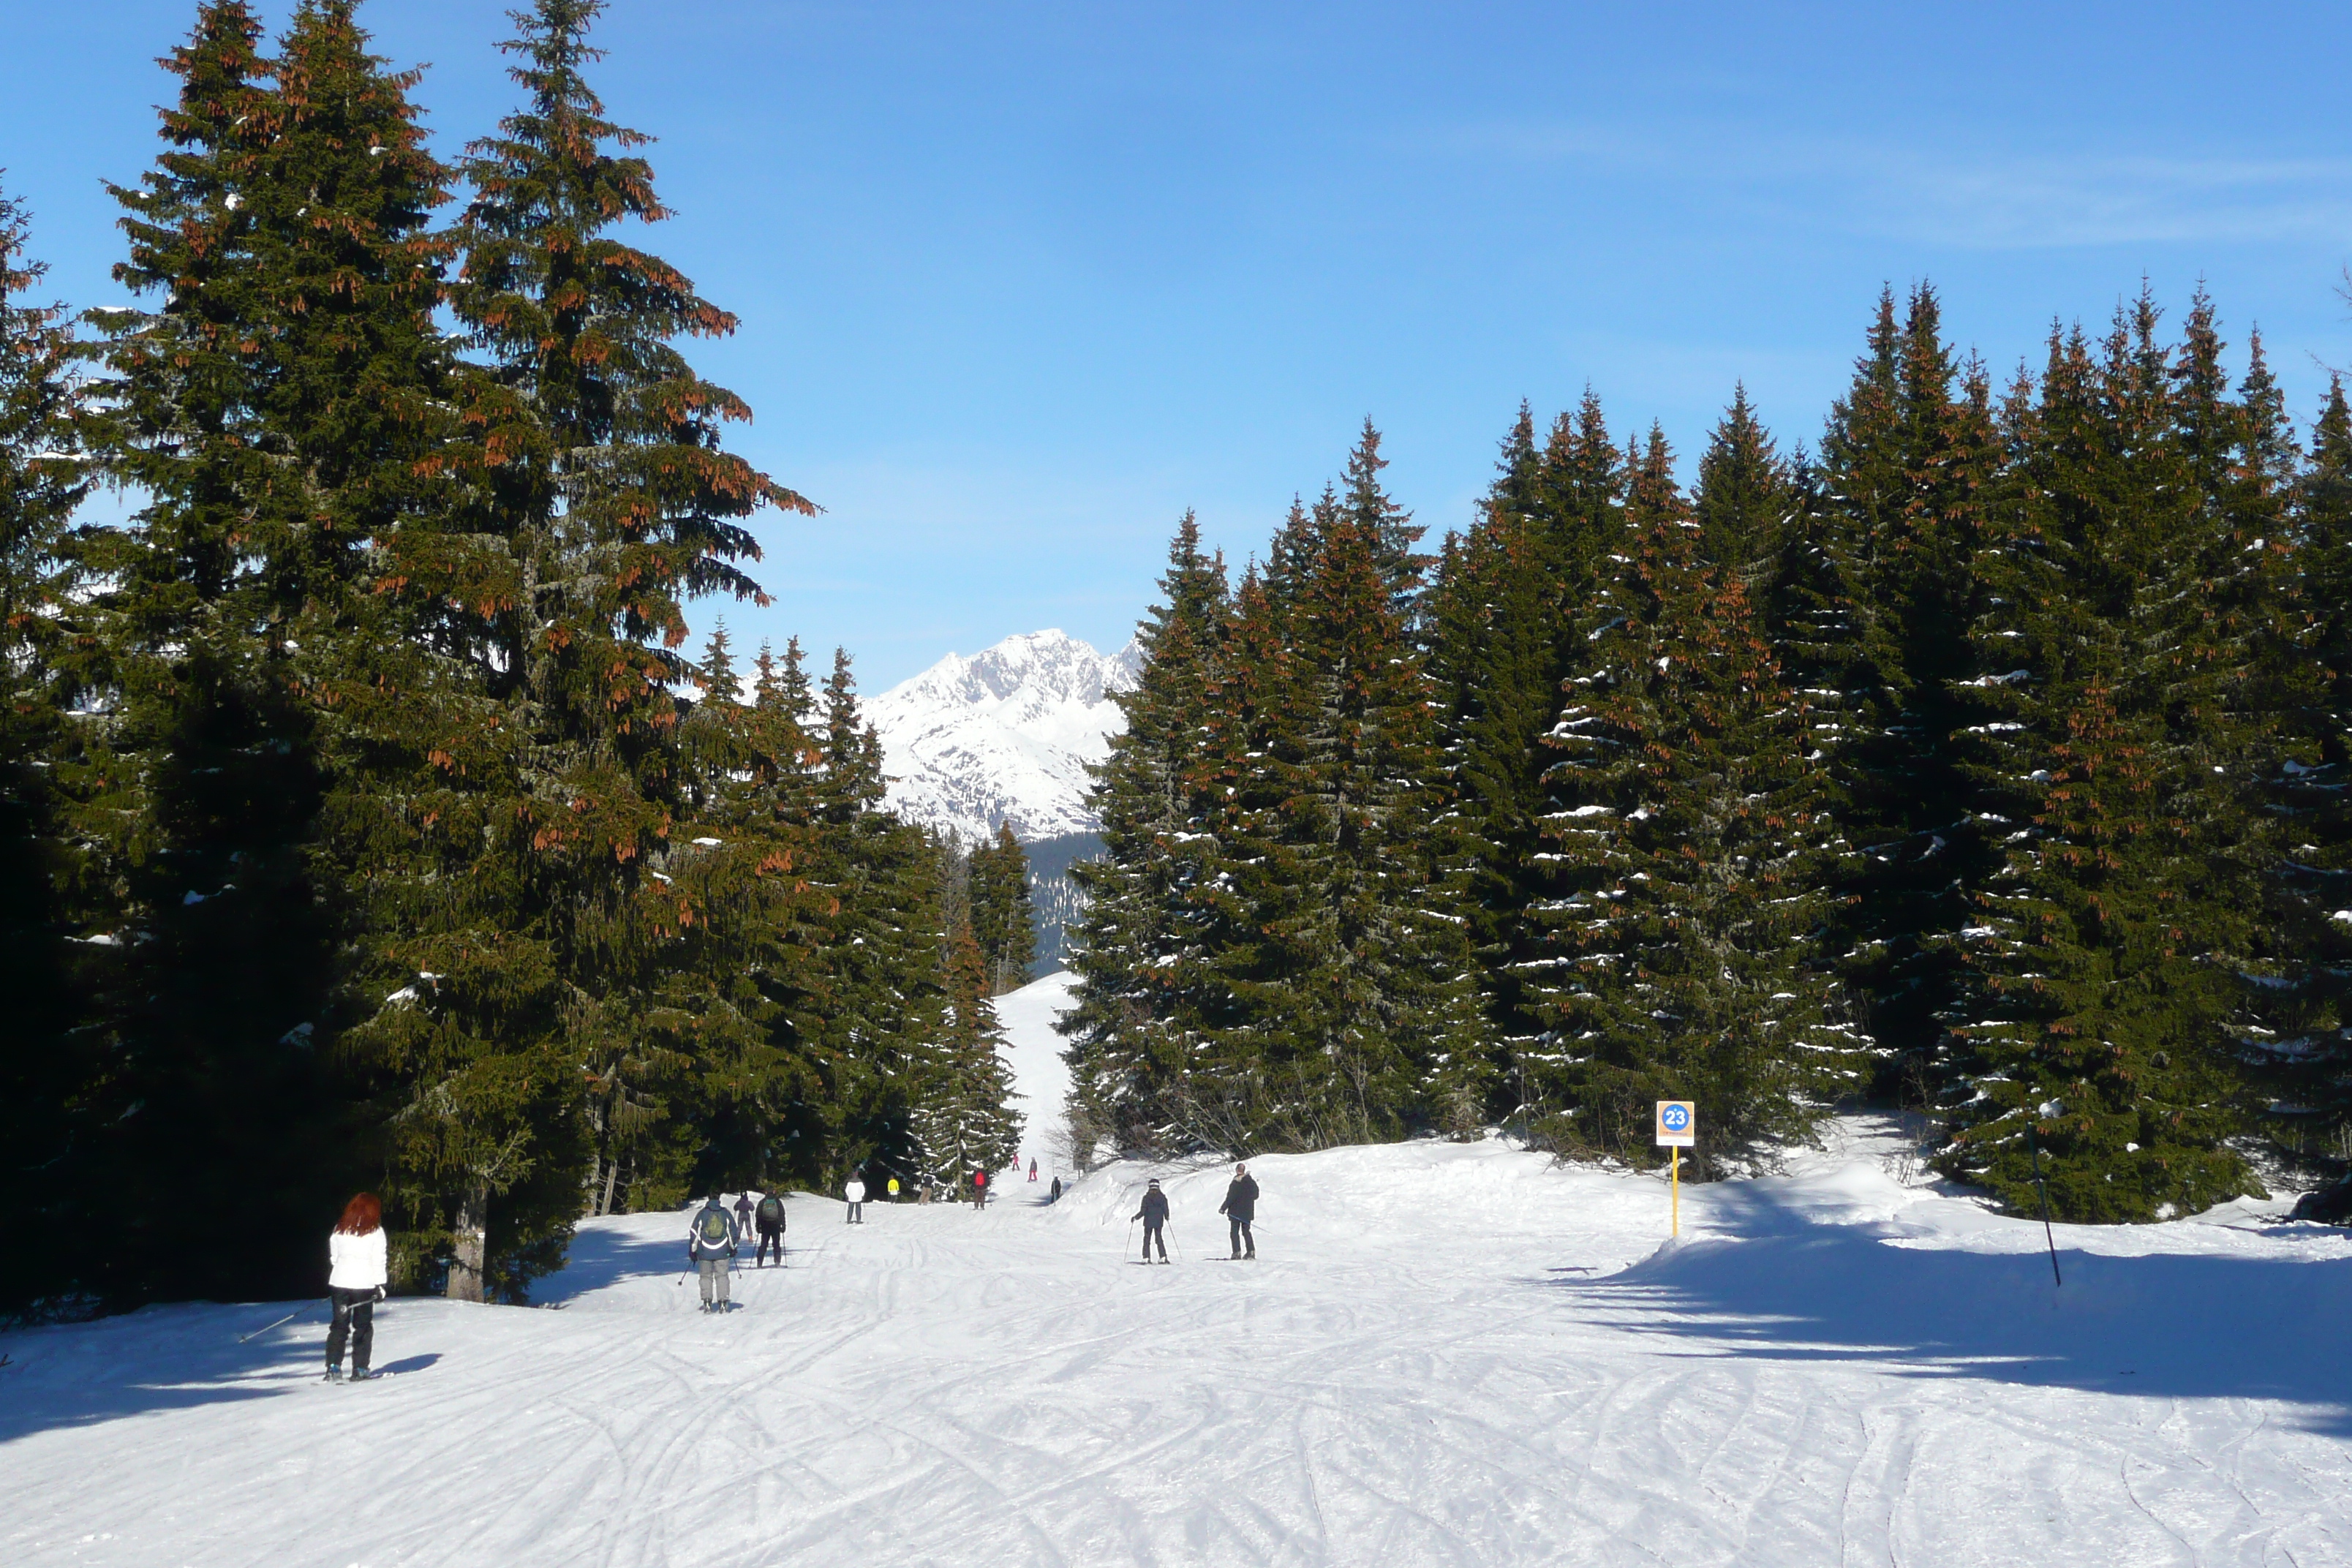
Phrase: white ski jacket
(356, 1262)
(855, 1191)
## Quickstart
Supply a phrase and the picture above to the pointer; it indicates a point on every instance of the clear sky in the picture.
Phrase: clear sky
(1019, 283)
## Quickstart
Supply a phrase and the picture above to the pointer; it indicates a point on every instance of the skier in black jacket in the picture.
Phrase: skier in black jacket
(1154, 1216)
(770, 1215)
(1241, 1207)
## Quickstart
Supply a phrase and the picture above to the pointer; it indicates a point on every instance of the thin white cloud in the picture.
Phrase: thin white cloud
(1987, 200)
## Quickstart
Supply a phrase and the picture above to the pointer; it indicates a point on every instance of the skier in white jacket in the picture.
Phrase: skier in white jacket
(856, 1194)
(356, 1277)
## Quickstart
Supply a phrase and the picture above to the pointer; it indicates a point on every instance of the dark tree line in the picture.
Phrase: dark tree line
(1989, 760)
(365, 823)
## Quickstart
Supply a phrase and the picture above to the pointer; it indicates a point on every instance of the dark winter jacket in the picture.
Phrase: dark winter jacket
(1155, 1209)
(772, 1213)
(698, 1246)
(1241, 1199)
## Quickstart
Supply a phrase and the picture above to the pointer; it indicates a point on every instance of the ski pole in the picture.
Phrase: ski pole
(2034, 1144)
(267, 1327)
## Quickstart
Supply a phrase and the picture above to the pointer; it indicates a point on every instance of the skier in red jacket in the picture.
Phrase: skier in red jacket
(980, 1189)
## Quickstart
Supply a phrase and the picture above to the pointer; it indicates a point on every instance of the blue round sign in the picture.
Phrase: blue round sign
(1675, 1117)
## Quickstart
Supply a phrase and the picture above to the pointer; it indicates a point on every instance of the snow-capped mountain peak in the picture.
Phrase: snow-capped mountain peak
(1003, 735)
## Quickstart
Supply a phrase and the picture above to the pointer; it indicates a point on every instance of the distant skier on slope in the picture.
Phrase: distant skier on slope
(743, 1213)
(1154, 1216)
(894, 1189)
(980, 1189)
(710, 1242)
(855, 1193)
(1033, 1167)
(1055, 1196)
(1241, 1207)
(770, 1215)
(356, 1277)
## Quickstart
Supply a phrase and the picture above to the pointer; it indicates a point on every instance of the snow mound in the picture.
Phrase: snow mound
(1004, 736)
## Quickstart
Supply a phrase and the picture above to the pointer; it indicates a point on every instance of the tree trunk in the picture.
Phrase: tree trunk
(612, 1175)
(466, 1264)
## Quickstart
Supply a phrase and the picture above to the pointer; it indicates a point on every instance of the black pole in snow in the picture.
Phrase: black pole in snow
(2034, 1144)
(265, 1327)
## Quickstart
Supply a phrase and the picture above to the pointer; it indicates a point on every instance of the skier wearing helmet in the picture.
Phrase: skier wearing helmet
(1154, 1216)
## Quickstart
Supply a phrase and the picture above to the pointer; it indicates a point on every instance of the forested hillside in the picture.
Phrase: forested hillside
(1988, 758)
(368, 823)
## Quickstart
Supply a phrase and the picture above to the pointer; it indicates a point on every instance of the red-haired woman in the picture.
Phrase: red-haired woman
(356, 1275)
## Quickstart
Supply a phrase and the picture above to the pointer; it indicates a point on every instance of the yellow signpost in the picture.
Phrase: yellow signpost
(1678, 1131)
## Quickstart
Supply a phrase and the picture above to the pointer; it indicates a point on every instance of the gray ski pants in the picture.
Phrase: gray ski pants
(712, 1272)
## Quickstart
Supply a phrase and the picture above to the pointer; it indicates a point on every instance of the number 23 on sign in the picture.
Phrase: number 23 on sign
(1678, 1131)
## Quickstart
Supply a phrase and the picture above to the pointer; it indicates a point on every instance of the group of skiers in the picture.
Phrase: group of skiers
(358, 1272)
(1240, 1208)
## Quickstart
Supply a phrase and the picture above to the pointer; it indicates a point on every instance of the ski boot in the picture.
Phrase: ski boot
(334, 1373)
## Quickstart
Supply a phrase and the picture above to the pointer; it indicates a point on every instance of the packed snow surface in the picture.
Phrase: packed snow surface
(1446, 1352)
(1004, 736)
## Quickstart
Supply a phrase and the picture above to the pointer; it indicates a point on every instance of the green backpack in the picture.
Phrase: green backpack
(772, 1210)
(713, 1226)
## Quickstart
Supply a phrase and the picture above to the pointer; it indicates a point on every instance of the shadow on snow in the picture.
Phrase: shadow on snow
(161, 1359)
(2169, 1325)
(602, 1256)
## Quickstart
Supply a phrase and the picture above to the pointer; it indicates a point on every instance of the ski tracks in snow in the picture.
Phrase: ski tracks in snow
(1398, 1381)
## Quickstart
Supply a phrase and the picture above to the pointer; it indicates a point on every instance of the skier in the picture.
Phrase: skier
(856, 1193)
(1241, 1207)
(356, 1277)
(894, 1189)
(980, 1189)
(1055, 1196)
(710, 1246)
(1033, 1167)
(1154, 1216)
(770, 1215)
(743, 1213)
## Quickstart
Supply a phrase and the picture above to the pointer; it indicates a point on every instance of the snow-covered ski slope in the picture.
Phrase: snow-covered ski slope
(1447, 1353)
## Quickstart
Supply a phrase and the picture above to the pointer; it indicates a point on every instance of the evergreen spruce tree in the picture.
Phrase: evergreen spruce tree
(1144, 990)
(1239, 868)
(1362, 983)
(2308, 1056)
(599, 499)
(1689, 859)
(880, 997)
(273, 407)
(963, 1122)
(47, 900)
(1745, 502)
(741, 931)
(2106, 1013)
(1506, 630)
(1369, 508)
(1904, 473)
(1002, 920)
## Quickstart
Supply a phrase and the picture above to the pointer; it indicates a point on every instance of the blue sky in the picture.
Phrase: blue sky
(1019, 283)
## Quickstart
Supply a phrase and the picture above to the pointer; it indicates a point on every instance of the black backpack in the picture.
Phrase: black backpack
(713, 1227)
(772, 1211)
